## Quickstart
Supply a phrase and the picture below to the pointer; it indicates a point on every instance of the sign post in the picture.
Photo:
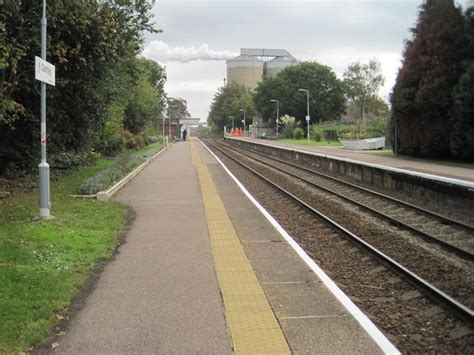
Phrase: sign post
(44, 72)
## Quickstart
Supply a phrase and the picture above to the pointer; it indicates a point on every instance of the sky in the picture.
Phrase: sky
(198, 36)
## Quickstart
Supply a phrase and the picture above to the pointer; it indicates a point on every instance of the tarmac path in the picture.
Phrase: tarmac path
(160, 294)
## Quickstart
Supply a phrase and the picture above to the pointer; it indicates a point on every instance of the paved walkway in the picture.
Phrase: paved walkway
(400, 162)
(160, 294)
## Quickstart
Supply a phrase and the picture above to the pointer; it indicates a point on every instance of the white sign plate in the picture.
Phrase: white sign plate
(45, 71)
(189, 121)
(307, 118)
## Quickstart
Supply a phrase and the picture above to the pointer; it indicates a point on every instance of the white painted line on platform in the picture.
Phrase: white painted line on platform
(371, 329)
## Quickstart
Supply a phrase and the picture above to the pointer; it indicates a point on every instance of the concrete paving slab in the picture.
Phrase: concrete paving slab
(327, 335)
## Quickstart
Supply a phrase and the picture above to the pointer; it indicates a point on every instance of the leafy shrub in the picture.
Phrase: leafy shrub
(316, 133)
(133, 141)
(113, 146)
(152, 139)
(68, 160)
(298, 133)
(289, 125)
(102, 180)
(329, 134)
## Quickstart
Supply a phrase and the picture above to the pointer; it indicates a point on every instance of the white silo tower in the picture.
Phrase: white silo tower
(246, 70)
(276, 65)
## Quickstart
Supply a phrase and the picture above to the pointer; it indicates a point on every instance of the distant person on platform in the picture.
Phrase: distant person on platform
(184, 134)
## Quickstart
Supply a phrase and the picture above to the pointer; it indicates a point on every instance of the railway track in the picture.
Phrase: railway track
(452, 235)
(433, 292)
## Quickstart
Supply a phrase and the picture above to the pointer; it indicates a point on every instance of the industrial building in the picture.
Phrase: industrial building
(253, 64)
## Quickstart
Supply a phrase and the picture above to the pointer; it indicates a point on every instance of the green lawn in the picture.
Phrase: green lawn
(43, 263)
(311, 142)
(389, 154)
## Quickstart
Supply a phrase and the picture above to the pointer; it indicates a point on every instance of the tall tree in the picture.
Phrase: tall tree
(362, 83)
(228, 102)
(326, 94)
(87, 42)
(462, 135)
(421, 98)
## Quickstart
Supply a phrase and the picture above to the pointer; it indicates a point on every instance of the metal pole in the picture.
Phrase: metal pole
(232, 118)
(244, 123)
(278, 115)
(45, 202)
(307, 110)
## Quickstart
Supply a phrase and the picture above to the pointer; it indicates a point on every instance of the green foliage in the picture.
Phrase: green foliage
(68, 160)
(43, 264)
(288, 126)
(462, 135)
(329, 134)
(227, 103)
(298, 133)
(93, 45)
(327, 101)
(422, 101)
(316, 132)
(122, 166)
(362, 83)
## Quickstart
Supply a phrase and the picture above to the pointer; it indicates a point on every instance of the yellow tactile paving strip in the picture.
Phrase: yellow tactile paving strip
(253, 326)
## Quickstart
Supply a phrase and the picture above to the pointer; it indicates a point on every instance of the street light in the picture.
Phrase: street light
(307, 108)
(232, 118)
(243, 121)
(278, 114)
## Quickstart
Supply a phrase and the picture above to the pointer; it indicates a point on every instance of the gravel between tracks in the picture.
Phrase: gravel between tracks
(412, 321)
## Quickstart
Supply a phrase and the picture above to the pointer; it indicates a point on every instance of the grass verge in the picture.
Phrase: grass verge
(311, 143)
(43, 263)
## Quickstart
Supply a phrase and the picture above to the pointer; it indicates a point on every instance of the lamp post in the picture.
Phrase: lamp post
(243, 121)
(307, 108)
(278, 114)
(45, 201)
(232, 118)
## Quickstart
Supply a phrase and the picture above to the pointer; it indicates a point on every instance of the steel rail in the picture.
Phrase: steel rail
(460, 310)
(445, 219)
(426, 236)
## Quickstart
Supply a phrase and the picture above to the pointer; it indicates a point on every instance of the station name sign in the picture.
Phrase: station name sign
(45, 71)
(189, 121)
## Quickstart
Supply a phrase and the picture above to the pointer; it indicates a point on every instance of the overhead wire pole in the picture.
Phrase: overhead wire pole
(45, 203)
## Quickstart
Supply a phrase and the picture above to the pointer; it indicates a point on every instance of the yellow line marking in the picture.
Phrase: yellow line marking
(253, 326)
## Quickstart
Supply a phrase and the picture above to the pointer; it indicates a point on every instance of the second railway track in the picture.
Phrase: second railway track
(449, 285)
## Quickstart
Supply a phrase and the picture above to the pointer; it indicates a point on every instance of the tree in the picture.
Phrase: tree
(88, 42)
(422, 99)
(327, 101)
(228, 102)
(178, 108)
(362, 83)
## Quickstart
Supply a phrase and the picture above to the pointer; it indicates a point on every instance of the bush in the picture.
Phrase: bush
(298, 133)
(68, 160)
(287, 132)
(113, 146)
(316, 133)
(106, 178)
(133, 141)
(152, 139)
(329, 134)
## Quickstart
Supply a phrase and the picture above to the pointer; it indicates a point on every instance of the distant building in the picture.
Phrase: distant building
(253, 64)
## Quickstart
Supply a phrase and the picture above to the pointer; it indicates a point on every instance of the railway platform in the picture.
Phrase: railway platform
(367, 157)
(204, 269)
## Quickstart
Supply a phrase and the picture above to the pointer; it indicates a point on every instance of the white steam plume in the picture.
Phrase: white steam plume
(162, 52)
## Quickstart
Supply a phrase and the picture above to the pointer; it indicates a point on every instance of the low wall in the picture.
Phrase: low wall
(439, 191)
